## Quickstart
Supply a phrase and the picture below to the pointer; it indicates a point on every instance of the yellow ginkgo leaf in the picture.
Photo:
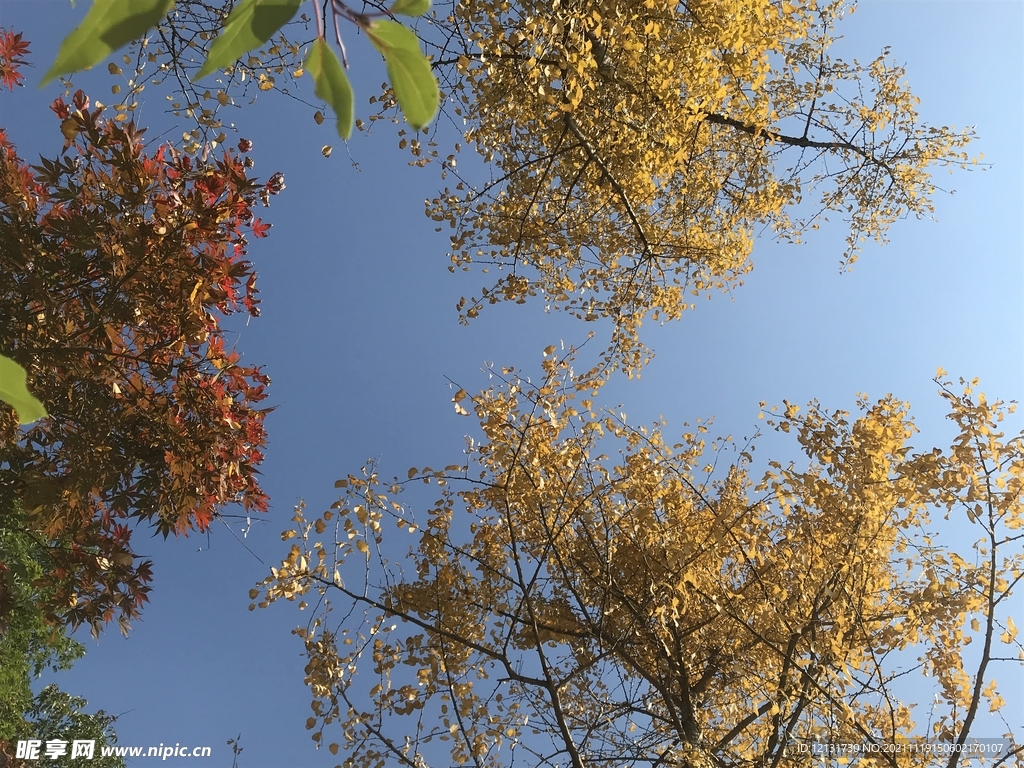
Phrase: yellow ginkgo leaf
(1010, 633)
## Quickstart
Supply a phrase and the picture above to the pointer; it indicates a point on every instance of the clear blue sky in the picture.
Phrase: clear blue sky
(359, 331)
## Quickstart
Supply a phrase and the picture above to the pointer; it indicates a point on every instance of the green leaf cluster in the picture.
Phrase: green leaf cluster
(111, 24)
(414, 84)
(29, 645)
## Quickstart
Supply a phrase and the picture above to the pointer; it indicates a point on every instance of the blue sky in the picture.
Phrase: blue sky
(359, 332)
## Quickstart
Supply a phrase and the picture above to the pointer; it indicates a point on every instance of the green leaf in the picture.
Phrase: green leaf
(250, 24)
(332, 84)
(109, 25)
(411, 7)
(14, 392)
(415, 87)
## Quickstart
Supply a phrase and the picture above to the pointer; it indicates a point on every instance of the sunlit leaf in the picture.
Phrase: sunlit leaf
(14, 392)
(1011, 631)
(109, 25)
(251, 23)
(413, 82)
(411, 7)
(331, 84)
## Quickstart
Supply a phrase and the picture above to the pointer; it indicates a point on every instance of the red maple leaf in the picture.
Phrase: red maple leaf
(259, 229)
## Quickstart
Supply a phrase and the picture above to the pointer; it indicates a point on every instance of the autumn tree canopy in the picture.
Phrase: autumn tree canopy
(639, 146)
(582, 592)
(636, 147)
(118, 265)
(589, 593)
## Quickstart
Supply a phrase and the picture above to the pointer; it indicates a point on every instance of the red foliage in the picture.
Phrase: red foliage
(12, 52)
(116, 267)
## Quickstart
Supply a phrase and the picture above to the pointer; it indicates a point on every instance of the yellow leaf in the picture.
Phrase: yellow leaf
(1011, 631)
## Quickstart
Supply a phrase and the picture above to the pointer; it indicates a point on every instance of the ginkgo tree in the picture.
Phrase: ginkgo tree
(588, 593)
(639, 146)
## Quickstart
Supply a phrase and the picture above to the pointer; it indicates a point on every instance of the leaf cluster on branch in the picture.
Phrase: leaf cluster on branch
(234, 32)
